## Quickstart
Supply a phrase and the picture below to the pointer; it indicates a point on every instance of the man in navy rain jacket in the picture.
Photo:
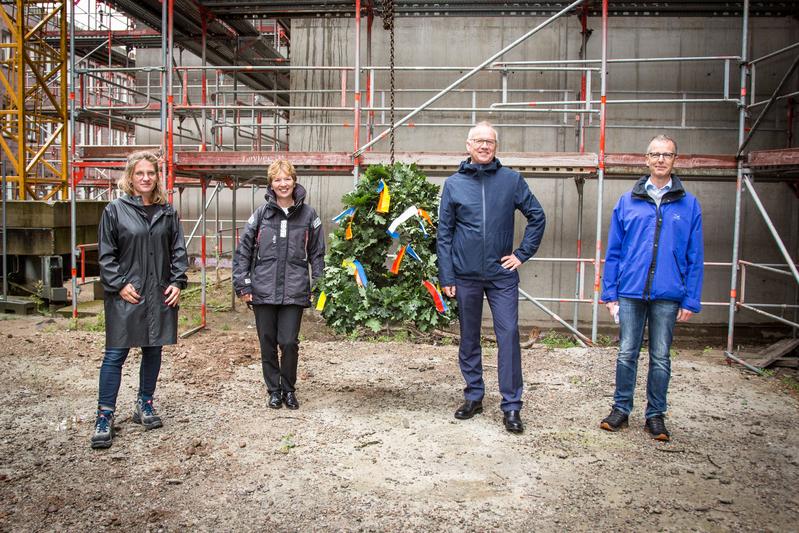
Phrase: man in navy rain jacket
(653, 273)
(476, 257)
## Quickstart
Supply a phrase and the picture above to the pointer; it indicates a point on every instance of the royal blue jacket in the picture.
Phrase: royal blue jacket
(655, 253)
(475, 222)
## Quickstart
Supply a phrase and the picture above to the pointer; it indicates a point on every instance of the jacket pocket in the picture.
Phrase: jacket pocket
(297, 243)
(680, 267)
(267, 243)
(467, 254)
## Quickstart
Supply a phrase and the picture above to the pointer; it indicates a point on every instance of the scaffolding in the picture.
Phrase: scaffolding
(251, 101)
(33, 75)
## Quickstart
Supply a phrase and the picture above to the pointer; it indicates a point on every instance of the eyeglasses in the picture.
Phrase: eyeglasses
(481, 142)
(668, 156)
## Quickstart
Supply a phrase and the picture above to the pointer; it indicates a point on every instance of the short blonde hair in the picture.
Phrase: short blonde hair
(280, 165)
(125, 183)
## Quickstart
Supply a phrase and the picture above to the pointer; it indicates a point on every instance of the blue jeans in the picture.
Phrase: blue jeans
(633, 317)
(111, 374)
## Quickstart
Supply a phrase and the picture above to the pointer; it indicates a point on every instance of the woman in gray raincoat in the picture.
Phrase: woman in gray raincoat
(282, 239)
(143, 265)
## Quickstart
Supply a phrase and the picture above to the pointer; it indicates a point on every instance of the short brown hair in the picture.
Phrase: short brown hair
(280, 165)
(125, 183)
(662, 138)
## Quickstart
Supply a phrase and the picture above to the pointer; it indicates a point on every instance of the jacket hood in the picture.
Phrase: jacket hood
(676, 191)
(135, 201)
(467, 167)
(299, 196)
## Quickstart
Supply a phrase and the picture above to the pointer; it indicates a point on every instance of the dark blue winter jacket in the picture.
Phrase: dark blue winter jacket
(655, 253)
(475, 222)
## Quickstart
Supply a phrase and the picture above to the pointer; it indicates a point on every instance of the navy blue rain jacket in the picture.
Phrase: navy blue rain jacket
(475, 222)
(655, 253)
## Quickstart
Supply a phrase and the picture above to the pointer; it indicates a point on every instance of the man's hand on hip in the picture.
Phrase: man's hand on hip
(683, 315)
(511, 262)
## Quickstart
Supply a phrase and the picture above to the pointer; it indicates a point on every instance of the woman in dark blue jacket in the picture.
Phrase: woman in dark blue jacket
(282, 239)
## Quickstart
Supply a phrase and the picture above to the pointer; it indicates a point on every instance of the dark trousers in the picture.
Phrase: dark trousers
(111, 374)
(503, 298)
(279, 325)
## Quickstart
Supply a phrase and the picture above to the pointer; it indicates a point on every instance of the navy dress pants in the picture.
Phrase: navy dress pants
(503, 299)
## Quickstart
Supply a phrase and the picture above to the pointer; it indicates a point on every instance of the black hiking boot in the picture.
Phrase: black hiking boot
(614, 421)
(657, 428)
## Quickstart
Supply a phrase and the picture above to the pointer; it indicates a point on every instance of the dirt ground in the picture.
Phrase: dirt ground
(374, 446)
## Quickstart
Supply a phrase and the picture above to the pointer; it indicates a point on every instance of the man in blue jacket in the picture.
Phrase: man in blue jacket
(653, 273)
(476, 257)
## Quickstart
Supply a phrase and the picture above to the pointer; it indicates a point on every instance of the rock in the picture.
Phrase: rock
(563, 455)
(174, 481)
(242, 444)
(726, 501)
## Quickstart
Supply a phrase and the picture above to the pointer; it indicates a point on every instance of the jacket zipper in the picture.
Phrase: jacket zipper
(483, 189)
(653, 265)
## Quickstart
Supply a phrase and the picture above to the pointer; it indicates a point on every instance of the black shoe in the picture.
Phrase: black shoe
(291, 400)
(513, 422)
(469, 409)
(275, 400)
(144, 414)
(614, 421)
(103, 434)
(657, 427)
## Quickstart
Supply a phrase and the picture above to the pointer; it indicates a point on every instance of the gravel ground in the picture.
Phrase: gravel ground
(374, 446)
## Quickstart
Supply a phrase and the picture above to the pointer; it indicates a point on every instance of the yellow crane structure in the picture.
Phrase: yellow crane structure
(33, 88)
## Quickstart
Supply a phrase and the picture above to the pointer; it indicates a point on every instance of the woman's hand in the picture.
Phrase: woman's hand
(129, 294)
(172, 296)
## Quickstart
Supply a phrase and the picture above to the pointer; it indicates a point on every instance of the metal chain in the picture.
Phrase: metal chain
(388, 24)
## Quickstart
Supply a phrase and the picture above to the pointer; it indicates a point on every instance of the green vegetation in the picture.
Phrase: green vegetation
(96, 323)
(555, 339)
(287, 443)
(791, 383)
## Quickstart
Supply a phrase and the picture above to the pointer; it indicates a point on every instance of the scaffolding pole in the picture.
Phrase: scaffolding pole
(600, 181)
(736, 232)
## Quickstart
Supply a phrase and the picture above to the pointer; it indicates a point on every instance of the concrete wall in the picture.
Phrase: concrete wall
(707, 128)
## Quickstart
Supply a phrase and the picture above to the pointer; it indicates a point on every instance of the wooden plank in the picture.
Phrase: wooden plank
(766, 357)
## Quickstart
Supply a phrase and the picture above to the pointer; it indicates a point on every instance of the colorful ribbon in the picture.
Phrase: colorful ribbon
(441, 305)
(384, 201)
(356, 268)
(348, 231)
(360, 274)
(349, 212)
(412, 253)
(425, 215)
(400, 254)
(320, 303)
(408, 213)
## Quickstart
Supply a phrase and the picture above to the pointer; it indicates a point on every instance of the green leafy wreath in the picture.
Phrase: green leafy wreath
(385, 299)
